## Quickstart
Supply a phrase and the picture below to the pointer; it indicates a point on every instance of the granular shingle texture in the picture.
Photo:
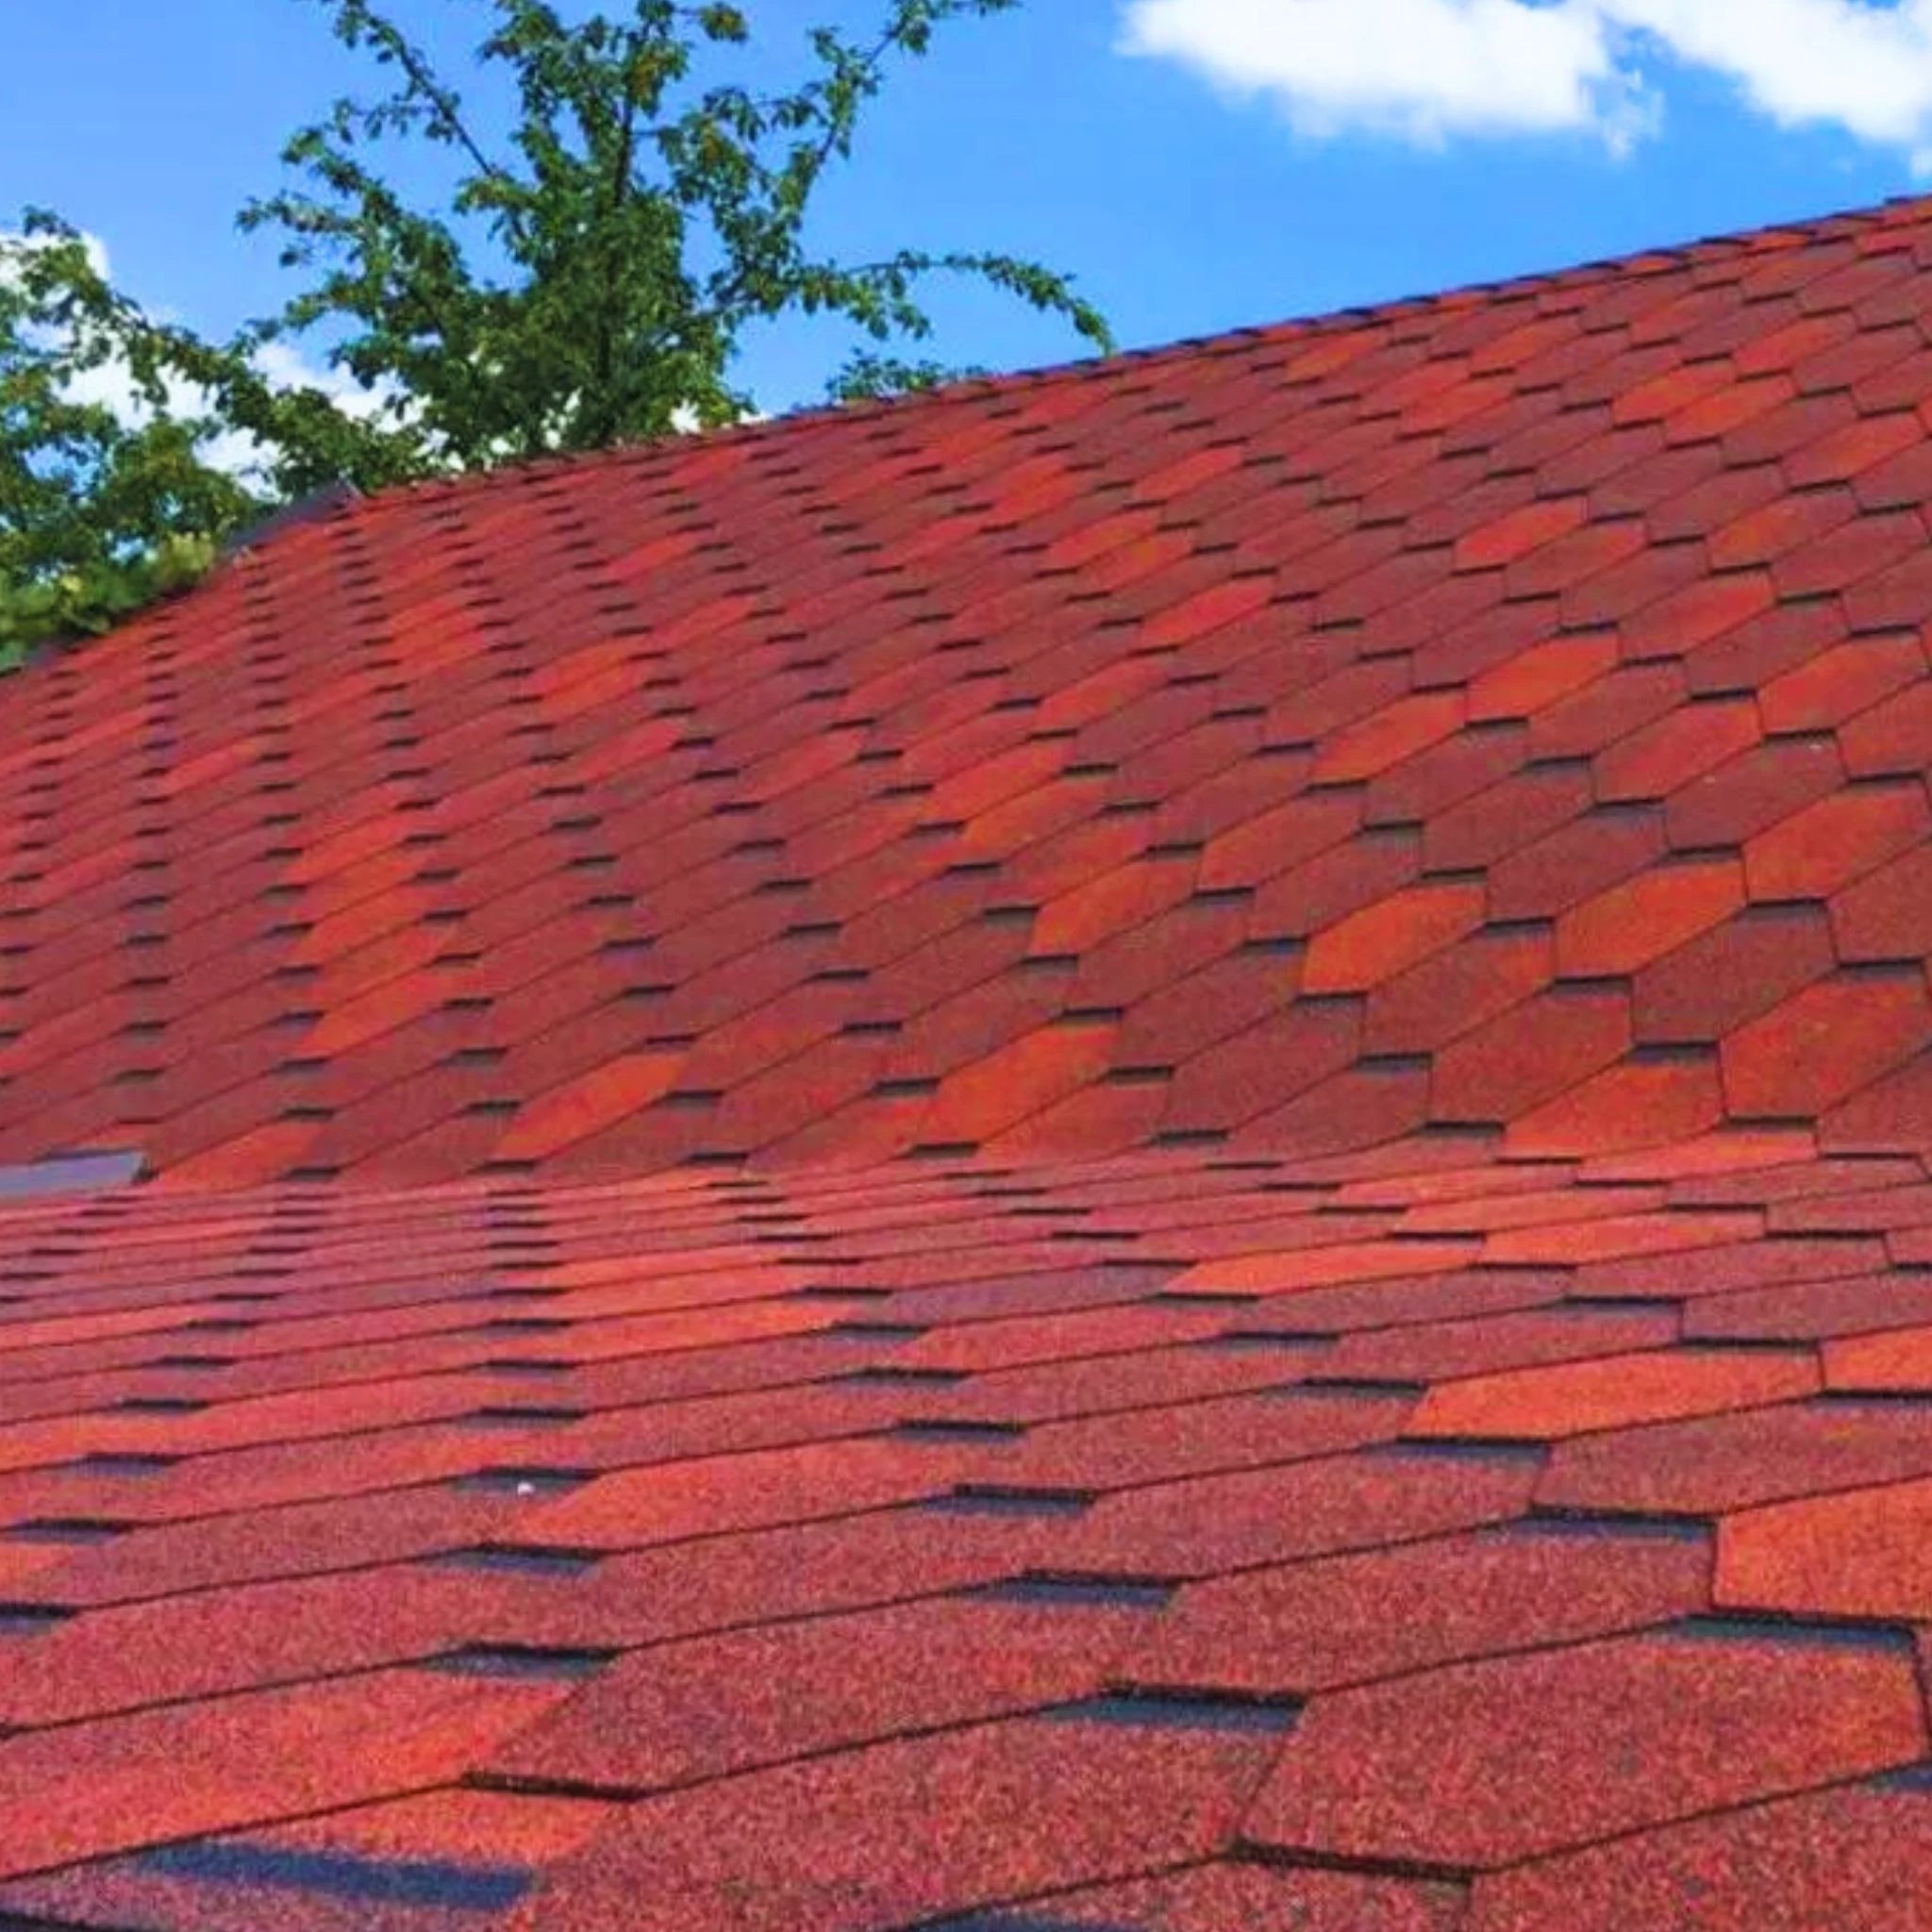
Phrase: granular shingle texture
(1145, 1148)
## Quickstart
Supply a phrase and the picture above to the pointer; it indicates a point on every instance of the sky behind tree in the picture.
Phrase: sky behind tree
(1198, 164)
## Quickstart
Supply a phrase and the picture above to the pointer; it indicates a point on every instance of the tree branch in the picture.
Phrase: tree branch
(356, 21)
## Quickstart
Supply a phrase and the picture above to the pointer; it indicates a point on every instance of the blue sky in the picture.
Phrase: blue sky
(1199, 164)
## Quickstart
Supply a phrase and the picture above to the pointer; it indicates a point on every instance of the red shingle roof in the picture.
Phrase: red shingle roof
(1143, 1148)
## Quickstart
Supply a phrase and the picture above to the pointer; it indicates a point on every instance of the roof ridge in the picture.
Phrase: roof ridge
(1655, 260)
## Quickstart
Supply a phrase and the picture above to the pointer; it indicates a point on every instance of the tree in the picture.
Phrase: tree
(587, 282)
(109, 493)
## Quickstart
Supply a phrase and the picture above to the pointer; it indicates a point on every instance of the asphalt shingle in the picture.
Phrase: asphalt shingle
(1142, 1148)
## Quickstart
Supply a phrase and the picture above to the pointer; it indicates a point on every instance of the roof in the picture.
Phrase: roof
(1141, 1148)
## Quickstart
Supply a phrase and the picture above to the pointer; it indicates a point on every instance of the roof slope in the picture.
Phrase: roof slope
(1511, 711)
(1382, 865)
(1173, 1542)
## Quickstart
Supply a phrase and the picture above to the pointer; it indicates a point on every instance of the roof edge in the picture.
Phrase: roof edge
(1656, 260)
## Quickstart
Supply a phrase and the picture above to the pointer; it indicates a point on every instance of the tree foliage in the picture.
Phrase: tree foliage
(97, 514)
(588, 281)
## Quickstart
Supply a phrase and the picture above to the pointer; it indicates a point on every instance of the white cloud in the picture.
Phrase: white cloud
(1428, 70)
(1421, 69)
(233, 449)
(112, 383)
(1867, 68)
(95, 248)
